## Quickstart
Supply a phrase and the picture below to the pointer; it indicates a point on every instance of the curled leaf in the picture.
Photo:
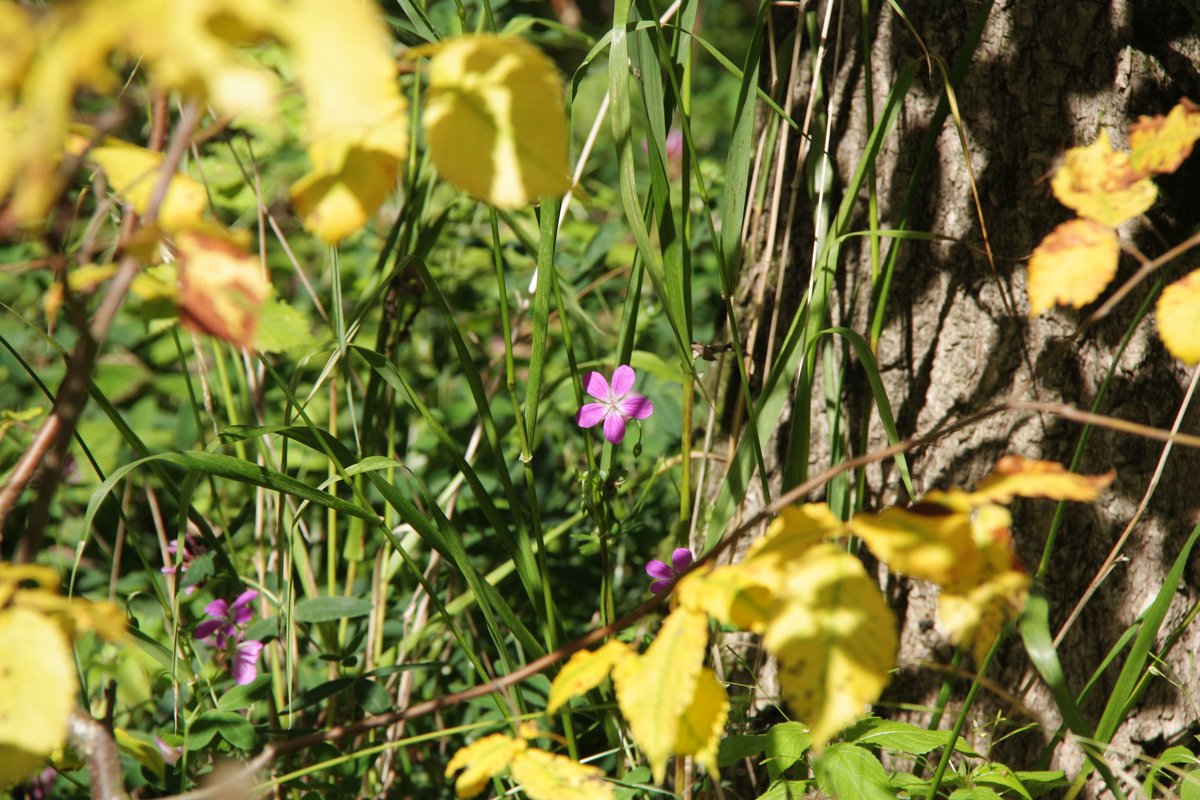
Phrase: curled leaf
(1101, 184)
(1016, 476)
(1072, 265)
(1178, 317)
(494, 119)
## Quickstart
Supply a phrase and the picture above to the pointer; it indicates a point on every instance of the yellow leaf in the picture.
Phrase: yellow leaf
(728, 594)
(835, 639)
(584, 672)
(546, 776)
(221, 288)
(1072, 265)
(796, 529)
(654, 689)
(974, 618)
(1160, 144)
(1101, 184)
(17, 47)
(927, 540)
(703, 723)
(37, 690)
(482, 759)
(1015, 476)
(357, 121)
(1178, 317)
(494, 119)
(133, 173)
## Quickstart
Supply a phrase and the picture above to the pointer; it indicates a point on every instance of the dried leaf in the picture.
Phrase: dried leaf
(1072, 265)
(835, 639)
(583, 672)
(546, 776)
(221, 288)
(654, 689)
(1016, 476)
(1101, 184)
(494, 119)
(482, 759)
(1178, 317)
(1160, 144)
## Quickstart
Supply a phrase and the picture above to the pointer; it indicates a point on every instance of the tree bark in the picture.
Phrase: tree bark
(1046, 75)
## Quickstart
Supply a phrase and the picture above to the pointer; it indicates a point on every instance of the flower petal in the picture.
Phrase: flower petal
(207, 628)
(614, 428)
(245, 661)
(637, 406)
(242, 612)
(218, 609)
(590, 414)
(681, 559)
(622, 380)
(596, 386)
(658, 587)
(659, 569)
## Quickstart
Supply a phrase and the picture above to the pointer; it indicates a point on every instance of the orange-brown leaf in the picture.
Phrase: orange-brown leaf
(221, 288)
(1016, 476)
(1159, 144)
(1072, 265)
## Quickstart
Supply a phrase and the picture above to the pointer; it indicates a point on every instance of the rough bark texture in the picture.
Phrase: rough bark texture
(1046, 75)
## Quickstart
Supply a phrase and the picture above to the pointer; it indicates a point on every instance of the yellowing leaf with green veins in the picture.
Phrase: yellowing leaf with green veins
(1101, 184)
(703, 723)
(1016, 476)
(927, 540)
(1178, 318)
(482, 759)
(133, 173)
(221, 288)
(1160, 144)
(835, 639)
(494, 119)
(1072, 265)
(974, 618)
(546, 776)
(654, 689)
(357, 121)
(585, 671)
(37, 691)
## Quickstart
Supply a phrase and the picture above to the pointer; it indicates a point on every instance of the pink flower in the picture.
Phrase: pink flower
(224, 627)
(617, 404)
(667, 574)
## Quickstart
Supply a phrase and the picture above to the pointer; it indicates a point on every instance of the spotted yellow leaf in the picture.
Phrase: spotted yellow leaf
(1178, 317)
(703, 723)
(221, 288)
(1159, 144)
(1016, 476)
(655, 689)
(133, 173)
(1072, 265)
(37, 691)
(835, 639)
(494, 119)
(357, 121)
(1101, 184)
(927, 540)
(546, 776)
(584, 672)
(482, 759)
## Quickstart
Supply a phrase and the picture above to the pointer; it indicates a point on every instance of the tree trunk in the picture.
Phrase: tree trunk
(1045, 75)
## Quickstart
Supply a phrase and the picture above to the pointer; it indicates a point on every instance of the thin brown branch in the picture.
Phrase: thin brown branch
(1147, 269)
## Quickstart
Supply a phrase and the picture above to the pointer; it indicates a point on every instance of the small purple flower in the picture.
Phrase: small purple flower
(224, 627)
(169, 754)
(666, 574)
(617, 403)
(674, 144)
(192, 547)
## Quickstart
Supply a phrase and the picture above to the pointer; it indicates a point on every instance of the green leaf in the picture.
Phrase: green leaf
(1189, 786)
(850, 772)
(371, 696)
(735, 748)
(1002, 776)
(786, 744)
(904, 738)
(975, 793)
(240, 697)
(786, 790)
(326, 609)
(310, 697)
(281, 328)
(232, 728)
